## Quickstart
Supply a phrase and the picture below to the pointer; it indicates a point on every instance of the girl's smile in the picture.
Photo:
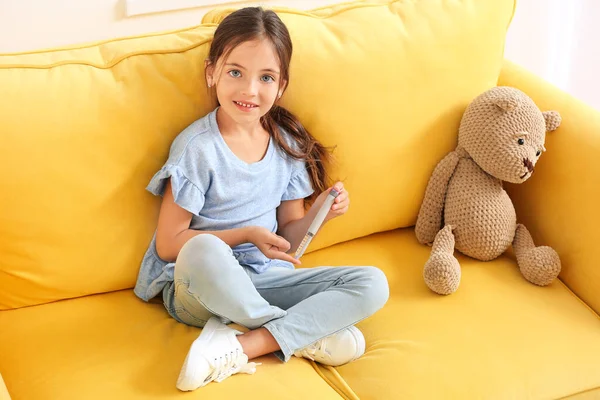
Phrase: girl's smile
(245, 106)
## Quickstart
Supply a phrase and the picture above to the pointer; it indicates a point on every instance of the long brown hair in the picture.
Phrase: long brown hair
(252, 23)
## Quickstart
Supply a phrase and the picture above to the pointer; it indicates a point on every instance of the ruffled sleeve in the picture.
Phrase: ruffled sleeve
(187, 167)
(186, 194)
(299, 186)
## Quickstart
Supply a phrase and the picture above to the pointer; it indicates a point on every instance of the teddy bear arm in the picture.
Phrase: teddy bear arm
(429, 220)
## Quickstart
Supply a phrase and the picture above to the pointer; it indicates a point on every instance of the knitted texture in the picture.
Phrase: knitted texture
(442, 270)
(539, 265)
(429, 220)
(501, 138)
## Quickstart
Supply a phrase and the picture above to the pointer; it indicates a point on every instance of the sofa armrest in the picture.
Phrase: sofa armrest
(559, 204)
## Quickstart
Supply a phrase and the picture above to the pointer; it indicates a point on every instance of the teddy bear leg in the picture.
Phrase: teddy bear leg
(442, 270)
(539, 265)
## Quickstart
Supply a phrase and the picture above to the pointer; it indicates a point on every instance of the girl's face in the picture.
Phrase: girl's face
(248, 81)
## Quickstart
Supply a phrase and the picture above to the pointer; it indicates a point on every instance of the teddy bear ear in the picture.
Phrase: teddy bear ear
(553, 120)
(506, 103)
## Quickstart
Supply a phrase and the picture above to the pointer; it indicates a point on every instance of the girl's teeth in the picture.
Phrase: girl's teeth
(244, 105)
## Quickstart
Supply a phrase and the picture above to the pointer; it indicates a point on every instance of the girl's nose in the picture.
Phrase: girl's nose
(250, 88)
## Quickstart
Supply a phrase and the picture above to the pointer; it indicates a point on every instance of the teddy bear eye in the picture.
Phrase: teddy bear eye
(521, 141)
(538, 153)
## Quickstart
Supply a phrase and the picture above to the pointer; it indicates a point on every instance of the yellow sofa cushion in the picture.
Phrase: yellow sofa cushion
(114, 346)
(497, 337)
(84, 129)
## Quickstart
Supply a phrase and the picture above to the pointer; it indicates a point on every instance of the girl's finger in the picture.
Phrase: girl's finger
(343, 196)
(340, 205)
(280, 243)
(342, 211)
(280, 255)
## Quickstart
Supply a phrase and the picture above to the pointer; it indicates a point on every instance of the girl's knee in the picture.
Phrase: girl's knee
(200, 253)
(204, 242)
(377, 289)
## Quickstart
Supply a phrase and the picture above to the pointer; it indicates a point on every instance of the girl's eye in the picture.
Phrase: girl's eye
(538, 153)
(235, 73)
(267, 78)
(521, 141)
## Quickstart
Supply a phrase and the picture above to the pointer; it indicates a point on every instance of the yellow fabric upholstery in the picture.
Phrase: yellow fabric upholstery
(86, 128)
(114, 346)
(497, 337)
(83, 131)
(559, 204)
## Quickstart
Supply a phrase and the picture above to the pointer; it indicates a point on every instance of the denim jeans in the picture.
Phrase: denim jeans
(297, 306)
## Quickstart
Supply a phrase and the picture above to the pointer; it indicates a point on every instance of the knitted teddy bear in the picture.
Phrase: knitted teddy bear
(501, 137)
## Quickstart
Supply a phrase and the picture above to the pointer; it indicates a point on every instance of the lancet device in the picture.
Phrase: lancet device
(317, 222)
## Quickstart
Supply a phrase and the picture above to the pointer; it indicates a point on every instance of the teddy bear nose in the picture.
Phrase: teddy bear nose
(528, 164)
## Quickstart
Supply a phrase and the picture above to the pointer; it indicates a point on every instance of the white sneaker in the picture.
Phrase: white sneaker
(338, 349)
(215, 355)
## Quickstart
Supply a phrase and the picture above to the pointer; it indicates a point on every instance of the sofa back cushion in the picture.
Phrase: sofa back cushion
(85, 128)
(387, 83)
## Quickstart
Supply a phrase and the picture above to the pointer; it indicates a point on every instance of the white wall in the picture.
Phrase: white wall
(560, 41)
(49, 23)
(557, 39)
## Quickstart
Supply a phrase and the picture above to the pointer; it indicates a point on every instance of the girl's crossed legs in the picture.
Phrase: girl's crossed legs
(287, 309)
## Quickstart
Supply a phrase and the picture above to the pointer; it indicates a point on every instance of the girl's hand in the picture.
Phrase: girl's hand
(270, 244)
(340, 204)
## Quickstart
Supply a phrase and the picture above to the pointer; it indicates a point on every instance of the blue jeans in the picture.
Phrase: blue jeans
(297, 306)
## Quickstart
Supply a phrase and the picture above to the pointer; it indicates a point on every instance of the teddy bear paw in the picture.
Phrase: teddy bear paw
(540, 265)
(442, 273)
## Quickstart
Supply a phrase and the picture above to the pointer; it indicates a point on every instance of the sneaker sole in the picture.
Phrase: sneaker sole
(360, 340)
(187, 376)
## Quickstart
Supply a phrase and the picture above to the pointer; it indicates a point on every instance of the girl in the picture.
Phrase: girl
(233, 190)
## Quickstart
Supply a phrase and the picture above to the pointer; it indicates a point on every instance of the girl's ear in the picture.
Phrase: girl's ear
(208, 73)
(282, 88)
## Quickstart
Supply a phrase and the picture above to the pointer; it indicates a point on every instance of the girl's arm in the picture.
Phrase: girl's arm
(293, 220)
(174, 231)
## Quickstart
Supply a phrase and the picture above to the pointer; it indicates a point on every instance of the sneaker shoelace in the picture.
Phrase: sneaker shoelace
(229, 364)
(311, 350)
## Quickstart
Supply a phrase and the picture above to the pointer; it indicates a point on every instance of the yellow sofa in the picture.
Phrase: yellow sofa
(84, 128)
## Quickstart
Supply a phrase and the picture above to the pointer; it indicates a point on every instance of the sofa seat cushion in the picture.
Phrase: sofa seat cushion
(497, 337)
(114, 346)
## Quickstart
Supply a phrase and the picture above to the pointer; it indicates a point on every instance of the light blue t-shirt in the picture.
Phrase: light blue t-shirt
(222, 192)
